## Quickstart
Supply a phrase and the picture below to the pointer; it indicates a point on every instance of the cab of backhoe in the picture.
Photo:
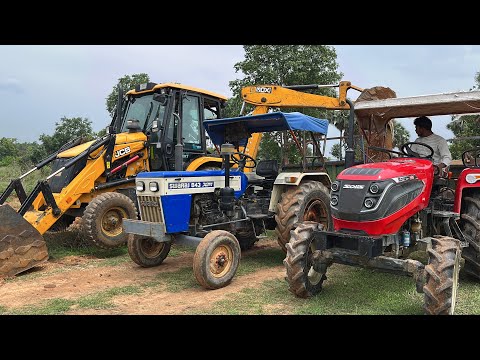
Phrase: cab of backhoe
(171, 115)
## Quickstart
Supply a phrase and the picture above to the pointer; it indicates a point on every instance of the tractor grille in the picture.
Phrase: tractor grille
(150, 209)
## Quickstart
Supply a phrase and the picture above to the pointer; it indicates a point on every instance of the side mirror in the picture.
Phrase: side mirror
(471, 158)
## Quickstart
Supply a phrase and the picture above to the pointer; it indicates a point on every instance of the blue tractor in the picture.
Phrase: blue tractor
(222, 212)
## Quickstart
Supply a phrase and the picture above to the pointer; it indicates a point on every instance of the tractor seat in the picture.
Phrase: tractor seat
(267, 168)
(266, 171)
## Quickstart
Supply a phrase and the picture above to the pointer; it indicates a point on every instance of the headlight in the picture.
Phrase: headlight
(369, 203)
(374, 188)
(335, 185)
(334, 200)
(153, 186)
(140, 186)
(472, 178)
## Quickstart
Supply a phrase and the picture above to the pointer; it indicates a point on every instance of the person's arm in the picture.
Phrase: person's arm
(445, 155)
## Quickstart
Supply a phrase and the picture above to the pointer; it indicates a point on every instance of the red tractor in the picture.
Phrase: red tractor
(384, 214)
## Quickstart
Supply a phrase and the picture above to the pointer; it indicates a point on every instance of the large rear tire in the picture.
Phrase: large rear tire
(471, 228)
(310, 201)
(216, 259)
(146, 252)
(304, 279)
(442, 272)
(102, 219)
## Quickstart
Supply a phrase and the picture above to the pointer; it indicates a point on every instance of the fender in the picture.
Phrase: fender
(286, 179)
(473, 182)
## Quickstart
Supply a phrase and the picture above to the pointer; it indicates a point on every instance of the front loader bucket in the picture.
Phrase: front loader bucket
(21, 245)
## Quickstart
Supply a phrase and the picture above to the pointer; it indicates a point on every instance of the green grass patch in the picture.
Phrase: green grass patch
(253, 261)
(347, 291)
(179, 280)
(101, 300)
(50, 307)
(468, 296)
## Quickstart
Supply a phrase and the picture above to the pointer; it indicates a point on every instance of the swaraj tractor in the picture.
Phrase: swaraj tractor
(156, 127)
(222, 212)
(400, 215)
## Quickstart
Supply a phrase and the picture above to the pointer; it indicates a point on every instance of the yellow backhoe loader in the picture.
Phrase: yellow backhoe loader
(155, 127)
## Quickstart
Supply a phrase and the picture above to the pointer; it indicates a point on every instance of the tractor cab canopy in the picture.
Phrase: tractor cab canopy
(237, 130)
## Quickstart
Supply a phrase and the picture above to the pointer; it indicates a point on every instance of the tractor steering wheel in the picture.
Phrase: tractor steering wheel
(407, 150)
(242, 161)
(388, 151)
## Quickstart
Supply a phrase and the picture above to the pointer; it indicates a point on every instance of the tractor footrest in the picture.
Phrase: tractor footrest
(361, 245)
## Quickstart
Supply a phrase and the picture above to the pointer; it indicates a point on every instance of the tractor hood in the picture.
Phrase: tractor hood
(394, 168)
(377, 198)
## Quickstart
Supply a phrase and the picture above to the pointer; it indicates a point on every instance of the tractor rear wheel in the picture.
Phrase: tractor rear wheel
(441, 275)
(305, 277)
(102, 219)
(216, 259)
(310, 201)
(470, 224)
(146, 252)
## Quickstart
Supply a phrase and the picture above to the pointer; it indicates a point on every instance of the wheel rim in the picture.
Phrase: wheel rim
(221, 261)
(151, 248)
(313, 276)
(316, 211)
(456, 271)
(112, 221)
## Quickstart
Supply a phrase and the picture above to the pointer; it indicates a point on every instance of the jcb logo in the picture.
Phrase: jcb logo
(122, 152)
(263, 89)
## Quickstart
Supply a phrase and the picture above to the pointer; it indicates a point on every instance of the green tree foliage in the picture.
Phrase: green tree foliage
(19, 154)
(127, 82)
(465, 128)
(400, 135)
(284, 65)
(65, 130)
(8, 151)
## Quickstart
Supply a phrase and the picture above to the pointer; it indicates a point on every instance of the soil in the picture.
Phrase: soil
(75, 277)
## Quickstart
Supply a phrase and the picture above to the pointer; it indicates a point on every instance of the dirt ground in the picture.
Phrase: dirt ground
(74, 277)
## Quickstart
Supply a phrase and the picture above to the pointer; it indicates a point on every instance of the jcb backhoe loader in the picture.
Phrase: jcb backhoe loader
(155, 127)
(305, 201)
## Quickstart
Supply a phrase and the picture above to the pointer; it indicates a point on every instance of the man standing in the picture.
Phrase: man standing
(441, 154)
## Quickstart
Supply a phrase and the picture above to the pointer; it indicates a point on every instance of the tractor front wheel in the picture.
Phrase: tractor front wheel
(304, 276)
(441, 275)
(216, 259)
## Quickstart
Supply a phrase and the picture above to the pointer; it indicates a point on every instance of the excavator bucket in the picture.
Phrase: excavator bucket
(21, 245)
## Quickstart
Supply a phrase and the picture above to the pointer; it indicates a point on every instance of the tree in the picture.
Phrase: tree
(465, 129)
(127, 83)
(66, 130)
(8, 151)
(400, 135)
(284, 65)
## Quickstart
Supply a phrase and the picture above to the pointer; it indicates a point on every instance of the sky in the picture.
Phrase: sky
(40, 84)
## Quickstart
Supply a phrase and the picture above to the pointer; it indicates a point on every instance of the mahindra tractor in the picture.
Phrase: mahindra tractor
(401, 215)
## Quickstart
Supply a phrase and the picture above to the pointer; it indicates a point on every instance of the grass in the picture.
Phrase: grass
(97, 301)
(347, 291)
(8, 173)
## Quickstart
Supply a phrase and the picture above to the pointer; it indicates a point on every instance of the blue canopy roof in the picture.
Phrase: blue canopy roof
(275, 121)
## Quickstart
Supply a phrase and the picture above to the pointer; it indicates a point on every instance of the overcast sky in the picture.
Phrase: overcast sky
(39, 84)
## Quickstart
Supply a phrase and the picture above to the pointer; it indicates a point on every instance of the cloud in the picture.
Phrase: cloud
(12, 86)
